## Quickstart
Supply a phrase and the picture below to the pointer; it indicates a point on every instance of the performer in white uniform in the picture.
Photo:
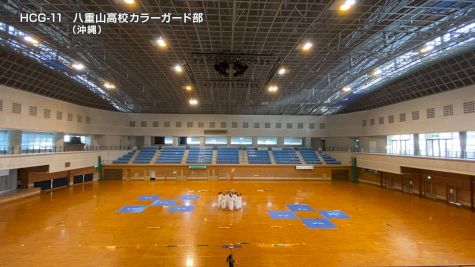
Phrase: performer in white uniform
(220, 197)
(230, 202)
(239, 202)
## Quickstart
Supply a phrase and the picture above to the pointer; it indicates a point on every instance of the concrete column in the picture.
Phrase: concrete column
(254, 141)
(416, 147)
(280, 141)
(58, 142)
(147, 140)
(228, 140)
(202, 140)
(14, 141)
(307, 141)
(463, 143)
(175, 141)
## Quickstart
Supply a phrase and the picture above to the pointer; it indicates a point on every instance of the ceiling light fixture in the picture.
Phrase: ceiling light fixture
(178, 68)
(31, 40)
(129, 2)
(376, 72)
(161, 42)
(282, 71)
(307, 46)
(193, 102)
(109, 85)
(272, 88)
(346, 89)
(78, 66)
(347, 5)
(188, 88)
(426, 48)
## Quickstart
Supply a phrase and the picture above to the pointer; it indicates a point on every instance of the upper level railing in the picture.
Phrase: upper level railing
(55, 149)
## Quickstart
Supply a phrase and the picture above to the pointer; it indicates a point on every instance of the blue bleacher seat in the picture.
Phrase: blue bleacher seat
(286, 155)
(146, 154)
(328, 159)
(227, 155)
(200, 155)
(171, 155)
(125, 158)
(255, 156)
(309, 155)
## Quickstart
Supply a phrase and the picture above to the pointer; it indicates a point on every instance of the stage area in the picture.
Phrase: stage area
(173, 223)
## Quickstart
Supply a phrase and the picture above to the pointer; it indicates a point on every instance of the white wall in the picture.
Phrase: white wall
(113, 125)
(393, 164)
(56, 161)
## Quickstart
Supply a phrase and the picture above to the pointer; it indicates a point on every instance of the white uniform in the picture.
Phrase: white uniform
(239, 203)
(230, 203)
(223, 201)
(220, 197)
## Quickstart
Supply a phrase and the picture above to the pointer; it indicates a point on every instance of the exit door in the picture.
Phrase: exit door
(451, 194)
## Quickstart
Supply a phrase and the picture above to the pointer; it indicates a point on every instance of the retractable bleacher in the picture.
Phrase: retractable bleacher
(255, 156)
(328, 159)
(200, 155)
(309, 155)
(171, 155)
(227, 155)
(124, 159)
(145, 155)
(286, 155)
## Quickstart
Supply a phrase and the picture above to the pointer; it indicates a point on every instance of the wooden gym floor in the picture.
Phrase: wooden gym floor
(80, 226)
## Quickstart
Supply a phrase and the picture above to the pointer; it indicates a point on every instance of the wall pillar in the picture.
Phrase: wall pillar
(58, 142)
(416, 145)
(175, 141)
(14, 141)
(280, 141)
(307, 141)
(228, 140)
(254, 141)
(147, 140)
(463, 143)
(202, 140)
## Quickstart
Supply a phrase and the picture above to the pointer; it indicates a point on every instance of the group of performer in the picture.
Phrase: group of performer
(230, 200)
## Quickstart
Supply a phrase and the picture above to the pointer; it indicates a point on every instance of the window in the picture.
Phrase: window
(223, 124)
(216, 140)
(430, 112)
(59, 115)
(245, 125)
(168, 140)
(401, 144)
(70, 116)
(79, 118)
(278, 125)
(1, 105)
(469, 107)
(311, 125)
(193, 140)
(47, 113)
(391, 118)
(131, 123)
(16, 108)
(143, 124)
(371, 122)
(381, 120)
(470, 149)
(440, 144)
(84, 139)
(3, 141)
(189, 124)
(166, 124)
(293, 141)
(88, 120)
(365, 122)
(155, 124)
(300, 125)
(178, 124)
(415, 115)
(322, 126)
(212, 124)
(289, 125)
(267, 140)
(33, 111)
(241, 140)
(449, 110)
(201, 124)
(32, 140)
(256, 125)
(402, 117)
(234, 125)
(267, 125)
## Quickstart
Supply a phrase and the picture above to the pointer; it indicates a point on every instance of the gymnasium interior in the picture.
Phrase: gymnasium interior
(237, 133)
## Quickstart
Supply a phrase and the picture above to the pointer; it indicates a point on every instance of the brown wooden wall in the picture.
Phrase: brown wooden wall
(224, 171)
(455, 189)
(37, 174)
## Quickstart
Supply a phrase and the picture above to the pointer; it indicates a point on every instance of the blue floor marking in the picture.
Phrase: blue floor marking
(159, 202)
(132, 209)
(318, 223)
(299, 207)
(333, 214)
(148, 197)
(189, 197)
(181, 208)
(282, 214)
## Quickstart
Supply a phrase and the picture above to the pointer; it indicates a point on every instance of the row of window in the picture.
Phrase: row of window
(223, 125)
(288, 141)
(37, 140)
(446, 144)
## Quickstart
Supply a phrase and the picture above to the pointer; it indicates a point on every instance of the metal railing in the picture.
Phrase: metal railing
(421, 153)
(22, 150)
